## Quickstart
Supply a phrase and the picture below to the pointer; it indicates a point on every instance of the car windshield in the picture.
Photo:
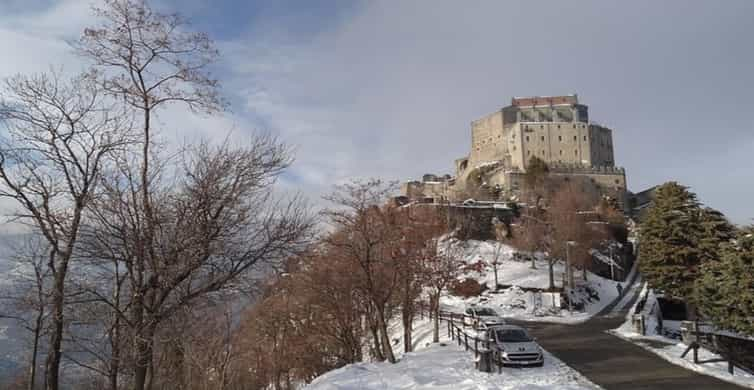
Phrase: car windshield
(485, 312)
(512, 335)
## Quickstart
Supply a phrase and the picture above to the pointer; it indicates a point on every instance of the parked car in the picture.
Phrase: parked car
(481, 317)
(513, 346)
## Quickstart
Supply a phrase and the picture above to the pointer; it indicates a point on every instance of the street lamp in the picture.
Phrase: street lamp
(612, 263)
(569, 274)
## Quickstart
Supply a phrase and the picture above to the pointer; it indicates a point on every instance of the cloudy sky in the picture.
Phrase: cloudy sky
(388, 88)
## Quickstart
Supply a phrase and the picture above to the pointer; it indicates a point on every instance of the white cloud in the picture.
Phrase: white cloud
(390, 90)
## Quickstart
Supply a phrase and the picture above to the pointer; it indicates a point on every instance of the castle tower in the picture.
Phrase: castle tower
(555, 129)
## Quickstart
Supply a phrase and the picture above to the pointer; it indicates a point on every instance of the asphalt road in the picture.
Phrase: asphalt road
(614, 363)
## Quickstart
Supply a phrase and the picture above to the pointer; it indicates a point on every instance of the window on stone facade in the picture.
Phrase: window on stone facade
(543, 138)
(561, 152)
(528, 152)
(617, 181)
(576, 152)
(584, 138)
(560, 138)
(514, 147)
(527, 138)
(574, 138)
(543, 152)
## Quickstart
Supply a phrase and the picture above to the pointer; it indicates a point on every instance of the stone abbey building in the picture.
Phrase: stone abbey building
(554, 129)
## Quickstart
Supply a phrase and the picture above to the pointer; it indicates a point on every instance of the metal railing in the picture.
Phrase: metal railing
(457, 332)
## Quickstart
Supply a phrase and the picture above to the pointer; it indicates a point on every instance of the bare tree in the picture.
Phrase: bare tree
(498, 250)
(149, 60)
(571, 235)
(330, 287)
(442, 264)
(215, 224)
(368, 237)
(27, 298)
(58, 137)
(533, 234)
(416, 225)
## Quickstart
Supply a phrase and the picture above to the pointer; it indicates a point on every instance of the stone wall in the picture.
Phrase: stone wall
(487, 143)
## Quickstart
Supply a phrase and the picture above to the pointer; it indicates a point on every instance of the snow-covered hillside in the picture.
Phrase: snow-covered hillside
(519, 301)
(446, 366)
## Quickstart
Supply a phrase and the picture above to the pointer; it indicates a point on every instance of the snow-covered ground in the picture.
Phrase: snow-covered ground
(518, 303)
(446, 366)
(672, 349)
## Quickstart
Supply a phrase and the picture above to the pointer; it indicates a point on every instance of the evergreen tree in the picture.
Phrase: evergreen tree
(725, 290)
(669, 254)
(716, 232)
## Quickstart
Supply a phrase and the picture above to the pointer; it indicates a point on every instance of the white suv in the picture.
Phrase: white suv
(480, 317)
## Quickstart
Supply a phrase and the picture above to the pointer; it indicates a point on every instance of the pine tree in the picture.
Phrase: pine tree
(716, 232)
(669, 254)
(725, 291)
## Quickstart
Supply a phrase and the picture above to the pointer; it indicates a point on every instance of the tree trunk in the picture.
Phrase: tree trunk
(376, 340)
(144, 351)
(494, 266)
(434, 303)
(114, 337)
(407, 332)
(583, 272)
(35, 348)
(408, 319)
(387, 349)
(551, 274)
(52, 365)
(691, 314)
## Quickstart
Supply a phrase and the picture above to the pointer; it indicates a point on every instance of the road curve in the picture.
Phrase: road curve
(614, 363)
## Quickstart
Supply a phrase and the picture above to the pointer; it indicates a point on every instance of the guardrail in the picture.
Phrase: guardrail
(736, 351)
(457, 332)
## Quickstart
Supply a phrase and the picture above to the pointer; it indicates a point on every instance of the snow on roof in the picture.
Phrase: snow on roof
(605, 259)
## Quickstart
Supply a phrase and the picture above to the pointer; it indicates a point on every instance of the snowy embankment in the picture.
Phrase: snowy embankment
(521, 300)
(445, 366)
(672, 349)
